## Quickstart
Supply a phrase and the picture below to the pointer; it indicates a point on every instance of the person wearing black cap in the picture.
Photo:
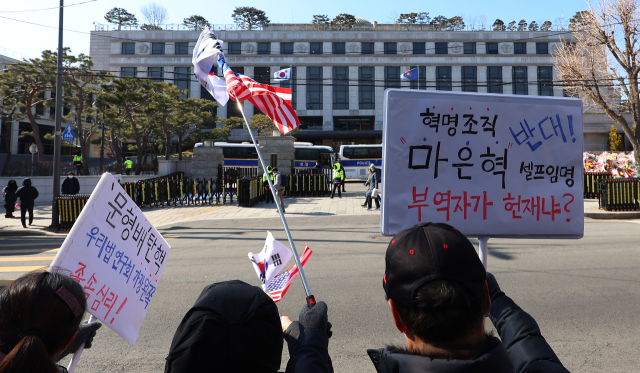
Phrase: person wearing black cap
(439, 292)
(235, 327)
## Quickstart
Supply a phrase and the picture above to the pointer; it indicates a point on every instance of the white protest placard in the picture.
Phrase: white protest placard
(489, 165)
(117, 256)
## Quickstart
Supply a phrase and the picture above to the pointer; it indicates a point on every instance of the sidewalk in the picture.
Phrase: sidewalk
(350, 204)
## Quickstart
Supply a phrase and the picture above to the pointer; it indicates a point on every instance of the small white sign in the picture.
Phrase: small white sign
(489, 165)
(117, 256)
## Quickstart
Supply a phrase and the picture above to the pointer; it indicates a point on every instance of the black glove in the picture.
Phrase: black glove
(86, 332)
(315, 318)
(494, 288)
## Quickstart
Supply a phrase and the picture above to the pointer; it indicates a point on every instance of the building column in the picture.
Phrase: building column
(532, 77)
(302, 88)
(248, 107)
(456, 78)
(507, 88)
(557, 90)
(482, 79)
(354, 100)
(15, 132)
(379, 94)
(327, 96)
(431, 77)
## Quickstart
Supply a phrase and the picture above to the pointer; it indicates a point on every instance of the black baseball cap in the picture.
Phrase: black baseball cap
(429, 252)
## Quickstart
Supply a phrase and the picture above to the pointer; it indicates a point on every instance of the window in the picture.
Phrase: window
(494, 79)
(128, 48)
(340, 88)
(128, 72)
(315, 48)
(390, 48)
(442, 48)
(542, 48)
(235, 48)
(520, 80)
(469, 48)
(519, 48)
(366, 88)
(353, 123)
(182, 48)
(469, 79)
(367, 48)
(443, 78)
(181, 78)
(204, 94)
(314, 87)
(310, 123)
(262, 74)
(391, 77)
(419, 48)
(492, 48)
(291, 84)
(421, 83)
(156, 74)
(264, 48)
(157, 48)
(545, 81)
(286, 48)
(338, 48)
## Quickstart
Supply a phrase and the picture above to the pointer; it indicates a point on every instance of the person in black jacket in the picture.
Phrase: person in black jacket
(71, 185)
(27, 195)
(235, 327)
(438, 294)
(9, 196)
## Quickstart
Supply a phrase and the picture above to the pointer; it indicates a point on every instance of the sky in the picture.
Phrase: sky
(28, 40)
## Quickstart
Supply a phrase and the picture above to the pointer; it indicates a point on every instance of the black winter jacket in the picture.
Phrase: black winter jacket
(308, 350)
(494, 360)
(71, 186)
(27, 193)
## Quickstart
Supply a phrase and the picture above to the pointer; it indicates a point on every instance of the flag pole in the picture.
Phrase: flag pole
(311, 301)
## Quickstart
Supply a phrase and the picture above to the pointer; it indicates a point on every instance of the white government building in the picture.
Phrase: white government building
(339, 76)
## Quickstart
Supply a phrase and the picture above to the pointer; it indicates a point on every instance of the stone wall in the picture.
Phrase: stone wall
(166, 167)
(280, 145)
(205, 162)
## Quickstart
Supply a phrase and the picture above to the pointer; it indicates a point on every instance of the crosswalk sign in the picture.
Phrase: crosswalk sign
(68, 134)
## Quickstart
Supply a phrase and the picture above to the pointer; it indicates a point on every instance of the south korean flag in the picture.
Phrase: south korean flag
(280, 75)
(271, 260)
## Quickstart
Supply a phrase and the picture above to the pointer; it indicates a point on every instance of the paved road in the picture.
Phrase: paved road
(584, 293)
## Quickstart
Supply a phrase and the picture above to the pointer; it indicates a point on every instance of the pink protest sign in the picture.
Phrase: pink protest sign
(118, 257)
(489, 165)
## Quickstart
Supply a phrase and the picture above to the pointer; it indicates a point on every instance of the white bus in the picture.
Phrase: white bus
(356, 159)
(306, 155)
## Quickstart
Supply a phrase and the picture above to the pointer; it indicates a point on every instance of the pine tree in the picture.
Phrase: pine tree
(615, 143)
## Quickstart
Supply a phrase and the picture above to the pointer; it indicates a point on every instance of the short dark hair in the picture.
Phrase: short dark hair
(444, 311)
(275, 169)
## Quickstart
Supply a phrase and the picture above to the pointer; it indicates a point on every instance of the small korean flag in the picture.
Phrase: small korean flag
(271, 260)
(411, 74)
(280, 75)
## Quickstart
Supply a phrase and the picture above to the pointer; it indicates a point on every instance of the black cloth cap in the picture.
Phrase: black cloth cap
(428, 252)
(232, 327)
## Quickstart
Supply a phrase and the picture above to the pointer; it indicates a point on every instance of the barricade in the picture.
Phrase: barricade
(250, 191)
(307, 185)
(69, 208)
(619, 194)
(590, 183)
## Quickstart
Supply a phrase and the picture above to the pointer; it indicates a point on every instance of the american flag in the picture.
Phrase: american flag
(280, 284)
(274, 102)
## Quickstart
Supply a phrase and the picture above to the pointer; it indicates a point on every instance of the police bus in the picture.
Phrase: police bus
(356, 159)
(307, 155)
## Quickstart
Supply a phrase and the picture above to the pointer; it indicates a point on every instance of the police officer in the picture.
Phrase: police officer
(338, 177)
(342, 182)
(128, 165)
(77, 161)
(265, 184)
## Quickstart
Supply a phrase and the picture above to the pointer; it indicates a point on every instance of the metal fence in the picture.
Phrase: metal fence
(69, 208)
(619, 194)
(591, 190)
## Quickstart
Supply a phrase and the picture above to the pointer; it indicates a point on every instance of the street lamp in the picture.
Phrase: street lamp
(96, 105)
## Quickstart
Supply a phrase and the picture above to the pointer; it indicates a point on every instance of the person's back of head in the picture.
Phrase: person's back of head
(39, 316)
(12, 185)
(232, 327)
(26, 182)
(436, 283)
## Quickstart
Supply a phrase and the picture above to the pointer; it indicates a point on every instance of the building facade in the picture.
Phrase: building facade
(339, 76)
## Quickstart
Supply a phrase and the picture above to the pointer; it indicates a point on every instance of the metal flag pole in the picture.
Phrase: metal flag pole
(311, 301)
(482, 250)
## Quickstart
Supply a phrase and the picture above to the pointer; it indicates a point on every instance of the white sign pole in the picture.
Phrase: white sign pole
(75, 358)
(483, 250)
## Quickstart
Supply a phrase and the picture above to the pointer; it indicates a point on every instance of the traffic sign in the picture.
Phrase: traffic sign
(68, 134)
